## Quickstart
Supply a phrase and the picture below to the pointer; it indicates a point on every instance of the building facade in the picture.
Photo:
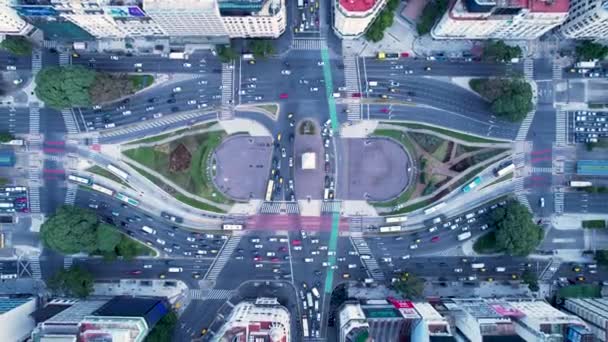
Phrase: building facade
(353, 17)
(594, 312)
(500, 19)
(261, 320)
(588, 19)
(244, 20)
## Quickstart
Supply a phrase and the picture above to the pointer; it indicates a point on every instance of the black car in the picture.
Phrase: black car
(152, 100)
(171, 100)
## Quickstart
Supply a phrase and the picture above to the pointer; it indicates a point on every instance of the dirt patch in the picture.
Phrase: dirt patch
(180, 159)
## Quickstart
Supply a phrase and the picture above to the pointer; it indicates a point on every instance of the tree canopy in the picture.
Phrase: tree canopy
(409, 286)
(17, 45)
(498, 51)
(375, 32)
(510, 99)
(6, 137)
(108, 87)
(261, 48)
(75, 281)
(531, 279)
(601, 257)
(516, 232)
(65, 87)
(226, 53)
(430, 14)
(588, 50)
(163, 330)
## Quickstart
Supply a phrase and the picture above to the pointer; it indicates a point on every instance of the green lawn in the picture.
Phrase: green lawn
(580, 291)
(270, 108)
(98, 170)
(171, 134)
(441, 151)
(594, 224)
(501, 179)
(141, 81)
(450, 133)
(409, 208)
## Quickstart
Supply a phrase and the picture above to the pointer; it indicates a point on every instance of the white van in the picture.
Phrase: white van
(309, 260)
(148, 230)
(469, 215)
(500, 269)
(372, 83)
(175, 269)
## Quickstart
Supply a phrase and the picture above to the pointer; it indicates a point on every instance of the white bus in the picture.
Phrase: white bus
(102, 189)
(309, 299)
(478, 265)
(78, 179)
(390, 229)
(177, 55)
(434, 208)
(580, 184)
(120, 173)
(232, 226)
(464, 236)
(505, 170)
(269, 190)
(127, 199)
(4, 205)
(148, 230)
(304, 319)
(248, 57)
(395, 219)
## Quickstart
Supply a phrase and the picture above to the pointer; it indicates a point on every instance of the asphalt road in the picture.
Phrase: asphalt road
(373, 67)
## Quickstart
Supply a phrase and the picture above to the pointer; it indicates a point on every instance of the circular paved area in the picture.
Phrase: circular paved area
(374, 169)
(243, 165)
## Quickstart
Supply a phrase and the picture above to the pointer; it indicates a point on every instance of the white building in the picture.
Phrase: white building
(10, 22)
(594, 311)
(262, 320)
(15, 321)
(500, 19)
(353, 17)
(353, 323)
(186, 18)
(269, 21)
(587, 19)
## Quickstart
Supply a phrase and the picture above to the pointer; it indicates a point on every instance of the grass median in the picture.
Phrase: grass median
(450, 133)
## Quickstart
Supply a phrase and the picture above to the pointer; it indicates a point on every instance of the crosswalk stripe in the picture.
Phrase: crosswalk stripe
(210, 294)
(70, 121)
(67, 262)
(550, 269)
(351, 81)
(561, 133)
(277, 207)
(34, 118)
(65, 58)
(370, 264)
(542, 169)
(34, 199)
(226, 111)
(330, 207)
(308, 44)
(558, 198)
(222, 258)
(70, 195)
(34, 263)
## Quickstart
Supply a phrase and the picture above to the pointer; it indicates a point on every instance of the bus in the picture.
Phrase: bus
(434, 208)
(478, 265)
(120, 173)
(127, 199)
(232, 226)
(505, 170)
(309, 299)
(304, 321)
(5, 205)
(464, 236)
(269, 190)
(390, 229)
(78, 179)
(300, 3)
(102, 189)
(472, 185)
(177, 55)
(580, 184)
(148, 230)
(395, 219)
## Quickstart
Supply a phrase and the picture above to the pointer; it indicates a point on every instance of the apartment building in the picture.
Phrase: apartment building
(594, 312)
(10, 22)
(588, 19)
(254, 19)
(353, 17)
(500, 19)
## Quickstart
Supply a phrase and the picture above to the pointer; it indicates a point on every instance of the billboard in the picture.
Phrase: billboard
(36, 11)
(125, 12)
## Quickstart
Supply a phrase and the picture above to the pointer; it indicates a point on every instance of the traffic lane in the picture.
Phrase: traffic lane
(440, 118)
(541, 133)
(572, 270)
(15, 120)
(374, 67)
(198, 316)
(20, 62)
(579, 202)
(156, 64)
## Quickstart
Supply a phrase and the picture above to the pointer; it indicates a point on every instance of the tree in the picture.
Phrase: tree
(588, 50)
(65, 87)
(530, 278)
(226, 53)
(261, 48)
(510, 99)
(498, 51)
(516, 233)
(127, 248)
(70, 230)
(75, 281)
(6, 137)
(107, 87)
(163, 330)
(107, 238)
(430, 14)
(409, 286)
(17, 45)
(601, 257)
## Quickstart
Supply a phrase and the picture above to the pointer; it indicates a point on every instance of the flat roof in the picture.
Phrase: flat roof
(592, 167)
(554, 6)
(357, 5)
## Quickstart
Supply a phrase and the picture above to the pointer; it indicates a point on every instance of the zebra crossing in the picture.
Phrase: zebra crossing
(351, 81)
(561, 132)
(50, 44)
(330, 207)
(34, 263)
(65, 59)
(308, 44)
(536, 169)
(557, 71)
(34, 199)
(165, 121)
(520, 193)
(558, 198)
(67, 262)
(549, 271)
(222, 258)
(36, 60)
(355, 224)
(525, 127)
(288, 208)
(210, 294)
(70, 121)
(370, 264)
(529, 68)
(226, 112)
(70, 195)
(34, 118)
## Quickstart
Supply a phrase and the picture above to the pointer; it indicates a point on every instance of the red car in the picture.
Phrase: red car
(296, 242)
(282, 249)
(356, 95)
(283, 96)
(435, 239)
(257, 258)
(405, 54)
(275, 259)
(136, 272)
(384, 110)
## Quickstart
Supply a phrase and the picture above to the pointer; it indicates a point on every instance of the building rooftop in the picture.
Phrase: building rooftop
(7, 304)
(152, 309)
(547, 6)
(592, 167)
(357, 5)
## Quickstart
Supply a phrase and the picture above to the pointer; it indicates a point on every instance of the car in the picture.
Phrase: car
(356, 95)
(135, 272)
(177, 89)
(192, 102)
(576, 269)
(427, 68)
(160, 241)
(283, 96)
(320, 63)
(314, 89)
(413, 246)
(542, 202)
(385, 110)
(435, 239)
(257, 258)
(290, 161)
(187, 65)
(458, 270)
(283, 152)
(149, 108)
(11, 67)
(126, 112)
(258, 98)
(147, 266)
(259, 265)
(168, 250)
(285, 72)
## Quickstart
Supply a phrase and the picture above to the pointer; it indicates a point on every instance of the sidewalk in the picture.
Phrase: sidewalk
(574, 221)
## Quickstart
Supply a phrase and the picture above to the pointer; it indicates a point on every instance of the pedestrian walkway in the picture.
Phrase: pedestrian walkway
(70, 121)
(557, 70)
(36, 60)
(70, 195)
(330, 206)
(34, 264)
(561, 132)
(529, 68)
(289, 208)
(370, 264)
(226, 112)
(67, 262)
(520, 193)
(352, 84)
(34, 194)
(210, 294)
(549, 271)
(542, 169)
(34, 118)
(558, 197)
(308, 44)
(65, 59)
(525, 127)
(222, 258)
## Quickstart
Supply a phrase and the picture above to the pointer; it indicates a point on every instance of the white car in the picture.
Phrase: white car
(414, 246)
(138, 65)
(320, 63)
(148, 109)
(158, 115)
(126, 112)
(147, 266)
(190, 238)
(202, 82)
(252, 79)
(285, 72)
(283, 152)
(313, 89)
(259, 265)
(297, 248)
(168, 250)
(177, 89)
(187, 65)
(11, 67)
(252, 86)
(458, 270)
(114, 58)
(192, 102)
(160, 241)
(405, 257)
(96, 107)
(290, 162)
(258, 98)
(202, 105)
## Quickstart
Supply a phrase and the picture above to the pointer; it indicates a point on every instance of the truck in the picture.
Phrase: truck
(580, 184)
(177, 55)
(175, 269)
(368, 281)
(464, 236)
(305, 332)
(478, 265)
(472, 185)
(586, 64)
(148, 230)
(316, 292)
(309, 300)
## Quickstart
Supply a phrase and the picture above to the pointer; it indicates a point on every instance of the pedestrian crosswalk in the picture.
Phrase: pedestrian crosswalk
(355, 224)
(370, 264)
(70, 121)
(308, 44)
(50, 44)
(529, 68)
(222, 258)
(34, 118)
(351, 82)
(520, 193)
(65, 59)
(36, 60)
(557, 70)
(70, 195)
(536, 169)
(561, 132)
(549, 271)
(289, 208)
(525, 127)
(210, 294)
(558, 197)
(330, 207)
(226, 112)
(34, 263)
(67, 262)
(165, 121)
(34, 199)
